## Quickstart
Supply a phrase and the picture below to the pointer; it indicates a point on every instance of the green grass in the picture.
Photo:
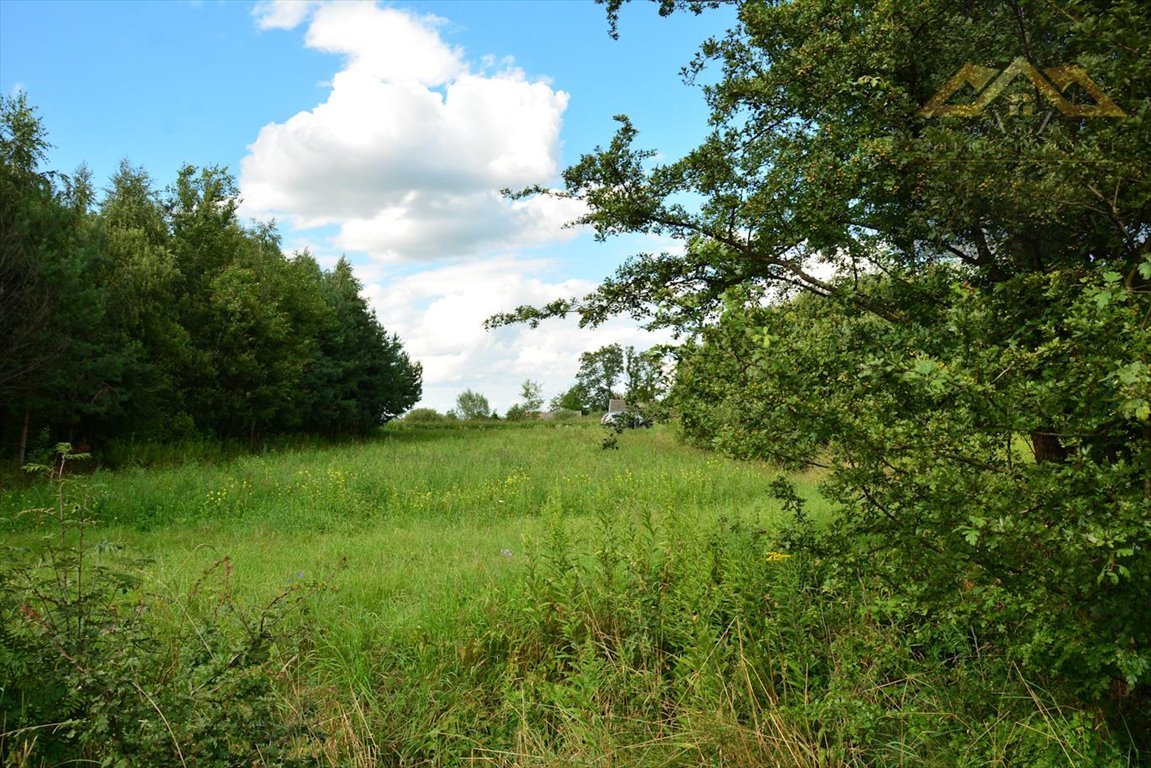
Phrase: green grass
(407, 504)
(517, 595)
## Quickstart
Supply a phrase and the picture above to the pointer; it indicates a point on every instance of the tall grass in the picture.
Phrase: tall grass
(516, 595)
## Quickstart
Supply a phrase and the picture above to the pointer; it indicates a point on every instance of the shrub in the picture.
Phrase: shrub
(990, 457)
(424, 415)
(472, 405)
(519, 412)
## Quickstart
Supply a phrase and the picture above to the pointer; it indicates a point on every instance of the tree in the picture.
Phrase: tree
(989, 282)
(361, 376)
(644, 376)
(822, 155)
(603, 371)
(599, 374)
(472, 405)
(531, 400)
(25, 300)
(162, 317)
(28, 214)
(89, 383)
(240, 309)
(531, 395)
(153, 318)
(576, 398)
(59, 364)
(144, 285)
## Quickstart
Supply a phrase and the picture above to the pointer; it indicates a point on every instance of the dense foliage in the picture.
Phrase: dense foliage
(160, 316)
(943, 494)
(950, 312)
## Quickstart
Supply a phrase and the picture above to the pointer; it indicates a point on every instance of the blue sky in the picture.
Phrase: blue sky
(381, 131)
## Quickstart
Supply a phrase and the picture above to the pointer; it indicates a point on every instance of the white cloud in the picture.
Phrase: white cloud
(439, 315)
(407, 153)
(401, 166)
(463, 224)
(282, 14)
(385, 43)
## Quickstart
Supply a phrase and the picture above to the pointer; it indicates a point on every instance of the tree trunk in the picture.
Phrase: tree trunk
(1047, 446)
(24, 435)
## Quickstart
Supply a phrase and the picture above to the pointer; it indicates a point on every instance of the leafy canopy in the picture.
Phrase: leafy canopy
(820, 157)
(949, 312)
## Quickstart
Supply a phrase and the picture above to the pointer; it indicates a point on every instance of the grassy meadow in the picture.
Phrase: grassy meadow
(399, 523)
(490, 594)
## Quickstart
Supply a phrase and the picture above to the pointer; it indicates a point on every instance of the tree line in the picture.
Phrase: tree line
(614, 372)
(159, 315)
(611, 372)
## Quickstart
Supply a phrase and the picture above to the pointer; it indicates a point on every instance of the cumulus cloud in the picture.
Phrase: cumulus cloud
(400, 165)
(409, 149)
(439, 315)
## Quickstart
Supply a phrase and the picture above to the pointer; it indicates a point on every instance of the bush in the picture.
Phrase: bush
(519, 413)
(471, 406)
(990, 456)
(423, 415)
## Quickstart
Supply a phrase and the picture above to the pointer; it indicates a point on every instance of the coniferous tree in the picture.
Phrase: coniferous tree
(61, 366)
(362, 377)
